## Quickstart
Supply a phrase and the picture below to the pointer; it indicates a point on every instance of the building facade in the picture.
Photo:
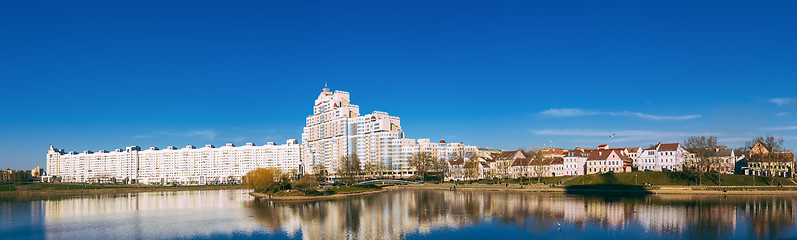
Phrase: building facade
(188, 165)
(663, 157)
(336, 129)
(765, 162)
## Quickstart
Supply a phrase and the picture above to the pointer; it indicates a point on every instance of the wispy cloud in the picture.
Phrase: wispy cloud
(781, 114)
(576, 112)
(206, 134)
(623, 135)
(567, 112)
(780, 101)
(783, 128)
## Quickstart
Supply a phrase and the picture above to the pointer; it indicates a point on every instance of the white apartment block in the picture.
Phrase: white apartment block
(336, 129)
(662, 157)
(188, 165)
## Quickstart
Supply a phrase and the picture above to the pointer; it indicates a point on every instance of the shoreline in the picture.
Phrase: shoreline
(266, 197)
(674, 190)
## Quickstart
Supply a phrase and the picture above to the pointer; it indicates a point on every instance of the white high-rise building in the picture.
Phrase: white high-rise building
(188, 165)
(336, 129)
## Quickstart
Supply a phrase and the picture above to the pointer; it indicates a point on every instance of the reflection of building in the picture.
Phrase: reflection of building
(397, 214)
(188, 165)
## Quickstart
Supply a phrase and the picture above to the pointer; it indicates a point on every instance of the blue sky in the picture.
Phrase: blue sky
(91, 75)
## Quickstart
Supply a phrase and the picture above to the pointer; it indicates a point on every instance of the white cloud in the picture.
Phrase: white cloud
(784, 128)
(566, 112)
(781, 114)
(575, 112)
(624, 135)
(780, 101)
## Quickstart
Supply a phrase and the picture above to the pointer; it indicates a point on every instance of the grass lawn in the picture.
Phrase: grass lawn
(674, 178)
(352, 189)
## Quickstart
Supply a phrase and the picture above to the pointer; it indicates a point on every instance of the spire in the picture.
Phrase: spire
(51, 147)
(326, 89)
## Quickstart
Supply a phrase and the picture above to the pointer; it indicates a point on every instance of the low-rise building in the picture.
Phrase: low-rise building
(663, 157)
(765, 162)
(575, 162)
(603, 161)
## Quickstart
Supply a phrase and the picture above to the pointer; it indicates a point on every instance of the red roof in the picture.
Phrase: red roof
(521, 162)
(669, 147)
(554, 151)
(457, 162)
(665, 147)
(604, 155)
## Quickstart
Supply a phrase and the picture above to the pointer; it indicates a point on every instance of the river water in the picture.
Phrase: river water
(400, 214)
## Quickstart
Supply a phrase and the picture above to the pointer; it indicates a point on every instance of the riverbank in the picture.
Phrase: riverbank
(627, 189)
(268, 197)
(43, 191)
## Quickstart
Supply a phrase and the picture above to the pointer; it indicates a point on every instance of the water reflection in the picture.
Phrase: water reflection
(400, 214)
(396, 214)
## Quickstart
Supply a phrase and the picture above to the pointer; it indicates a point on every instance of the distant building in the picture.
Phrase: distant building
(726, 160)
(36, 172)
(764, 162)
(575, 162)
(188, 165)
(603, 161)
(336, 129)
(663, 157)
(15, 176)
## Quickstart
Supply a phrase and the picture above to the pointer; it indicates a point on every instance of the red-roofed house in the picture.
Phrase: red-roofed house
(575, 162)
(603, 161)
(663, 157)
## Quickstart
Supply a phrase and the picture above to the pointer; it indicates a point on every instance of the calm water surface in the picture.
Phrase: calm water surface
(404, 214)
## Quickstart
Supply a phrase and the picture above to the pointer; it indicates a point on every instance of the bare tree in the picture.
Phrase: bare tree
(705, 155)
(773, 144)
(349, 168)
(320, 172)
(422, 162)
(372, 170)
(440, 167)
(471, 168)
(539, 164)
(503, 167)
